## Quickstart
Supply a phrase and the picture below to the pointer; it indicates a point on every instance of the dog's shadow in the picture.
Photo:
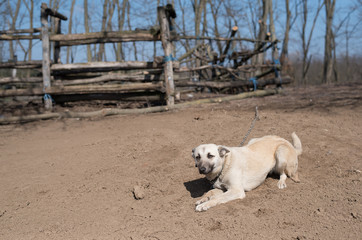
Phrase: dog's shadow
(198, 187)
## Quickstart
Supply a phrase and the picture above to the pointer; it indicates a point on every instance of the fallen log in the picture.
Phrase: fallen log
(114, 111)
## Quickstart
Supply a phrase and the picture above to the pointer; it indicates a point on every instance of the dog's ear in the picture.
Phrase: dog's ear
(193, 155)
(223, 151)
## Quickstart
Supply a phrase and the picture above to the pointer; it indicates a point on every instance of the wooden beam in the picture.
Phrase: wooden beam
(10, 80)
(108, 88)
(104, 37)
(108, 78)
(18, 37)
(104, 66)
(235, 84)
(21, 64)
(17, 31)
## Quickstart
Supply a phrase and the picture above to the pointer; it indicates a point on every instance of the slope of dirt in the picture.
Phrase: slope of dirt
(78, 179)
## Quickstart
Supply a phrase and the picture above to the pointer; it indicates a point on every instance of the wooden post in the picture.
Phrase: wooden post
(167, 47)
(46, 57)
(58, 30)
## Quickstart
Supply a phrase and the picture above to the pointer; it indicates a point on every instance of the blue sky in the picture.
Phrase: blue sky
(143, 14)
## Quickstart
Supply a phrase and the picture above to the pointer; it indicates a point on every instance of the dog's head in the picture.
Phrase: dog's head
(209, 158)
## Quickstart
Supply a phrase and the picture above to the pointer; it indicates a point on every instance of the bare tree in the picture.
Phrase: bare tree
(13, 16)
(284, 53)
(329, 41)
(155, 43)
(111, 8)
(259, 58)
(182, 29)
(103, 29)
(121, 16)
(306, 38)
(199, 6)
(215, 6)
(86, 26)
(31, 23)
(273, 36)
(350, 30)
(70, 28)
(130, 28)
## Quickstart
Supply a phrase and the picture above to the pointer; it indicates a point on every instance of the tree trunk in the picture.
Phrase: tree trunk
(121, 17)
(273, 37)
(214, 11)
(28, 54)
(86, 26)
(198, 8)
(13, 24)
(306, 42)
(284, 53)
(259, 58)
(155, 43)
(130, 28)
(109, 22)
(328, 43)
(103, 29)
(70, 28)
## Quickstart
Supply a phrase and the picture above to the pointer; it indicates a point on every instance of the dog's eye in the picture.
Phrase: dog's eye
(198, 157)
(209, 156)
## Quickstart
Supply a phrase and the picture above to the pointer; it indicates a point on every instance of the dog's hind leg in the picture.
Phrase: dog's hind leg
(281, 156)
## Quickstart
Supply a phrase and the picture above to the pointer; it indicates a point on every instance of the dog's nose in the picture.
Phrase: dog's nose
(202, 170)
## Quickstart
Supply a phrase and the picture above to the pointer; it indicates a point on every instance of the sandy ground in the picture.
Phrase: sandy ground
(74, 179)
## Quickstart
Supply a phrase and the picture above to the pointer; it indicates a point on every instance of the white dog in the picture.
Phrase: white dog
(235, 170)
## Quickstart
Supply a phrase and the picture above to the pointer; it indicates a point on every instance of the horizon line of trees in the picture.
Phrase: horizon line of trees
(292, 21)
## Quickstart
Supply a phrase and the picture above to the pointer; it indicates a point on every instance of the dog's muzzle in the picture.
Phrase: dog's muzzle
(202, 170)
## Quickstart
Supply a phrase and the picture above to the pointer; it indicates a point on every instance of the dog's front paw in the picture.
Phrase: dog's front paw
(205, 199)
(202, 207)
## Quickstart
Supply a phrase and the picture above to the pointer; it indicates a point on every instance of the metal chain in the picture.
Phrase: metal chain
(251, 126)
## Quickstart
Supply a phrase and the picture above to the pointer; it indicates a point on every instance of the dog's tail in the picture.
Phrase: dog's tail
(297, 144)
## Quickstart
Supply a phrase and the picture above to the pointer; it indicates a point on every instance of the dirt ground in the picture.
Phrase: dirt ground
(75, 179)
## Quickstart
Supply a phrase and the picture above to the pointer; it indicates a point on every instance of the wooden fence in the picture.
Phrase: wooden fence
(158, 80)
